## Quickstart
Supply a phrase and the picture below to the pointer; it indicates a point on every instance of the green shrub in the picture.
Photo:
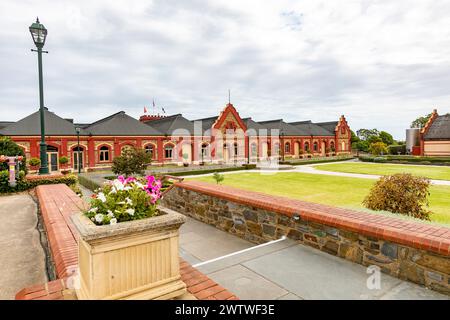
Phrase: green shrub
(425, 162)
(218, 177)
(366, 158)
(378, 148)
(23, 184)
(10, 148)
(89, 183)
(379, 159)
(400, 193)
(132, 161)
(249, 166)
(63, 160)
(397, 149)
(34, 162)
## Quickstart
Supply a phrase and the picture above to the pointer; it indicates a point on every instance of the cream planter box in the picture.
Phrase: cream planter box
(130, 260)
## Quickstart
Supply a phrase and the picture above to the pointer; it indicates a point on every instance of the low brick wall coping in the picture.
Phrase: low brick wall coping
(410, 233)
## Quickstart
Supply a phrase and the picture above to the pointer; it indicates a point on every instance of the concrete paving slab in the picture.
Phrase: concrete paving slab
(247, 284)
(312, 274)
(22, 258)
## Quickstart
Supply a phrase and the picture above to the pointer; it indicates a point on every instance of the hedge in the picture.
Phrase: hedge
(297, 163)
(410, 159)
(88, 183)
(24, 184)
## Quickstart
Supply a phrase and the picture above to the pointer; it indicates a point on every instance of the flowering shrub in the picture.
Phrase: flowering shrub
(125, 199)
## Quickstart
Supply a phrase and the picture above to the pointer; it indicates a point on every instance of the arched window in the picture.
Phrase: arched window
(316, 146)
(306, 146)
(168, 151)
(104, 153)
(236, 149)
(150, 149)
(254, 149)
(287, 147)
(343, 130)
(332, 147)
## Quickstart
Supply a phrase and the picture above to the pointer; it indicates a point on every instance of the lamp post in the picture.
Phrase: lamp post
(282, 144)
(78, 149)
(39, 33)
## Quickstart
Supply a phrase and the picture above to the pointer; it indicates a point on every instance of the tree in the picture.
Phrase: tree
(365, 134)
(361, 146)
(11, 149)
(400, 193)
(354, 138)
(386, 138)
(378, 148)
(132, 161)
(420, 122)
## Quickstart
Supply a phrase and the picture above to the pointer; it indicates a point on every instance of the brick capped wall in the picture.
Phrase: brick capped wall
(408, 250)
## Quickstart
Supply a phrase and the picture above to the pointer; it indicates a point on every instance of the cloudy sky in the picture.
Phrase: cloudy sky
(381, 63)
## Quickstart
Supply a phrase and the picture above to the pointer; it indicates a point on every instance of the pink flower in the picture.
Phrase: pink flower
(130, 179)
(121, 179)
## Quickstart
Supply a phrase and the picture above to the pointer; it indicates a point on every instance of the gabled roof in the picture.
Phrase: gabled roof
(168, 125)
(31, 126)
(439, 129)
(311, 129)
(284, 128)
(4, 124)
(207, 123)
(253, 127)
(329, 126)
(121, 124)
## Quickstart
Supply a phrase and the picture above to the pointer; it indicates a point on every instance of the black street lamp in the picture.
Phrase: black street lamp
(39, 33)
(78, 149)
(282, 144)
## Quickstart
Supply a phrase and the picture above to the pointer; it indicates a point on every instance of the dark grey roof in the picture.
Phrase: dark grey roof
(329, 126)
(4, 124)
(254, 127)
(439, 129)
(31, 126)
(207, 123)
(311, 129)
(168, 125)
(121, 124)
(284, 128)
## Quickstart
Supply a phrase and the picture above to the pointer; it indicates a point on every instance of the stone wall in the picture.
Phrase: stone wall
(408, 250)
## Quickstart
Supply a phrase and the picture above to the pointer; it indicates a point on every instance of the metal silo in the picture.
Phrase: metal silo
(412, 138)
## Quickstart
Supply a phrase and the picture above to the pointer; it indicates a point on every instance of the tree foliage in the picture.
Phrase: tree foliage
(401, 193)
(132, 161)
(386, 137)
(10, 148)
(420, 122)
(378, 148)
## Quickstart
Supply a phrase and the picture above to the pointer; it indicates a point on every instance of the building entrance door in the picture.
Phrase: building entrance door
(52, 159)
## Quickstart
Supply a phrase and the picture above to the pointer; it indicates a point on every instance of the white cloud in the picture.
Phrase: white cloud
(381, 63)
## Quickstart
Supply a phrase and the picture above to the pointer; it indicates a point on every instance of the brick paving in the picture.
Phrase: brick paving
(58, 202)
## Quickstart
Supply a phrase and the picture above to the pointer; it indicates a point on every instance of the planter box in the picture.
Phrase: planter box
(130, 260)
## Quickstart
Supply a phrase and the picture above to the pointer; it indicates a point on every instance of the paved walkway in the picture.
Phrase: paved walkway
(22, 259)
(285, 270)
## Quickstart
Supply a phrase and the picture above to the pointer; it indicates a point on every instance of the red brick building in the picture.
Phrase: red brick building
(435, 136)
(223, 138)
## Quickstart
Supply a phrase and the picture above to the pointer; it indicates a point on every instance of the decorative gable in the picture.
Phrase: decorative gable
(229, 119)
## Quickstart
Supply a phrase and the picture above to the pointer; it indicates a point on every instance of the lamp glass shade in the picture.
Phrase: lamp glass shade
(38, 33)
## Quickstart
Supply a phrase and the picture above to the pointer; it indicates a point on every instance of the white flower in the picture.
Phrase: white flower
(128, 201)
(113, 221)
(130, 212)
(93, 210)
(127, 188)
(99, 217)
(113, 190)
(118, 184)
(139, 185)
(110, 214)
(101, 196)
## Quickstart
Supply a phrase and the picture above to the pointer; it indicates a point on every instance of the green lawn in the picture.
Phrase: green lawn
(437, 173)
(331, 190)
